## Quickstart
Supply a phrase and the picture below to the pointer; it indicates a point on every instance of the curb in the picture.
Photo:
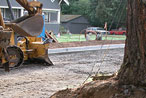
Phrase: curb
(84, 48)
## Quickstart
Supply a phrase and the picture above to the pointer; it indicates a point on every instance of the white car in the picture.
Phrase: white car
(98, 30)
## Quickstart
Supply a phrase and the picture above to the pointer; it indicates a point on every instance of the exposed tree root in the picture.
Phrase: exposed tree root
(103, 89)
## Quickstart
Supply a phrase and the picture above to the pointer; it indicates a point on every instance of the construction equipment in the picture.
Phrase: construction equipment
(5, 35)
(29, 47)
(29, 25)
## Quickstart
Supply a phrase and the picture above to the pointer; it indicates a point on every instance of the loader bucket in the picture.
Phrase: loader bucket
(44, 59)
(27, 25)
(41, 59)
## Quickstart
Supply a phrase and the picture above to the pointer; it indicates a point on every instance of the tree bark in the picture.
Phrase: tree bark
(133, 69)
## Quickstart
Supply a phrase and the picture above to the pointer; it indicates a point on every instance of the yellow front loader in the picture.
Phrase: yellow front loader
(28, 47)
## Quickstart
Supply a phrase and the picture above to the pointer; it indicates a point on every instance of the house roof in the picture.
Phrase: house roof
(66, 1)
(13, 3)
(66, 18)
(47, 4)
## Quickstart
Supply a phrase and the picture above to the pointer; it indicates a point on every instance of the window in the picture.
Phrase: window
(2, 11)
(7, 15)
(51, 17)
(16, 13)
(47, 16)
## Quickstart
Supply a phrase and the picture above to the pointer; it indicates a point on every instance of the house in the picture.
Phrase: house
(74, 23)
(51, 10)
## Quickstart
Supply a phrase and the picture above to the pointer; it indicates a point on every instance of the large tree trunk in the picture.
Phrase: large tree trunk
(133, 69)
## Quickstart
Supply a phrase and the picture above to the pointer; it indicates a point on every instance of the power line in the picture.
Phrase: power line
(115, 14)
(105, 53)
(121, 15)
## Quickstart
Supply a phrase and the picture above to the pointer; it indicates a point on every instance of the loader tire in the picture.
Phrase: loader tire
(15, 56)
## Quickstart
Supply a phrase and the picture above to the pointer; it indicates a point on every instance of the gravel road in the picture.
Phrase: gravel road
(69, 71)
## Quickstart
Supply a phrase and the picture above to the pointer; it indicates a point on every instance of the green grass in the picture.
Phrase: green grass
(81, 37)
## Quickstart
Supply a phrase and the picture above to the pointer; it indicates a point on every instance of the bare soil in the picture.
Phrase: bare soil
(84, 43)
(69, 71)
(103, 89)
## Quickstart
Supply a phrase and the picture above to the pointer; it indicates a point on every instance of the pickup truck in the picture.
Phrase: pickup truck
(117, 32)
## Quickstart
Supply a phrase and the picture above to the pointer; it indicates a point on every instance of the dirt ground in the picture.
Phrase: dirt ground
(84, 43)
(108, 88)
(69, 71)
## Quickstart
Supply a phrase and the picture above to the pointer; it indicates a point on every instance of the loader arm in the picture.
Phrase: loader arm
(5, 35)
(1, 20)
(29, 25)
(24, 3)
(32, 7)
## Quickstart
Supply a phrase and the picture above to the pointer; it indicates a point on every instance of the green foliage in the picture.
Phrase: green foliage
(99, 11)
(76, 7)
(81, 37)
(62, 30)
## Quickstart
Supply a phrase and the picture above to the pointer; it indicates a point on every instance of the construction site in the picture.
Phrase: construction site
(37, 63)
(69, 71)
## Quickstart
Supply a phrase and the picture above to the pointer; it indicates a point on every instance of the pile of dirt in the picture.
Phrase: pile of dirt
(84, 43)
(103, 89)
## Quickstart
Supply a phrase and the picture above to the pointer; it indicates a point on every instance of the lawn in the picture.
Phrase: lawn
(81, 37)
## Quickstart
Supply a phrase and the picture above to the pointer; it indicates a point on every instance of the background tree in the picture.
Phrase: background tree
(77, 7)
(133, 70)
(111, 11)
(99, 11)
